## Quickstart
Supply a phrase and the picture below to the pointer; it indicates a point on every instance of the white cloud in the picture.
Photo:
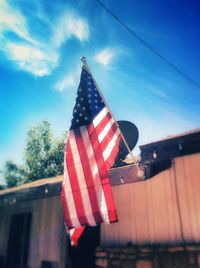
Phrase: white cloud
(30, 53)
(27, 53)
(12, 20)
(105, 56)
(32, 59)
(67, 82)
(70, 25)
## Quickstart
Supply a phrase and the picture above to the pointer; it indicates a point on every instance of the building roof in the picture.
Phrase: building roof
(177, 145)
(48, 187)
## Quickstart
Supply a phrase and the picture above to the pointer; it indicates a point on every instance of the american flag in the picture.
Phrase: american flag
(91, 148)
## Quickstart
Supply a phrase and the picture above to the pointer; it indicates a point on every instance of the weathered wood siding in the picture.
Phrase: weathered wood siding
(47, 241)
(164, 209)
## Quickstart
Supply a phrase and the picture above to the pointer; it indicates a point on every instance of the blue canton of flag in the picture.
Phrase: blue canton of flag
(88, 102)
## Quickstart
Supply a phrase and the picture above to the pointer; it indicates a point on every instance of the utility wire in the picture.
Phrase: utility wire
(169, 63)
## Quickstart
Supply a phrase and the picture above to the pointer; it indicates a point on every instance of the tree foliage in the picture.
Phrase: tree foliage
(14, 174)
(44, 156)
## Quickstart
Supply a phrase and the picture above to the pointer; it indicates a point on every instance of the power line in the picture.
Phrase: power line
(141, 40)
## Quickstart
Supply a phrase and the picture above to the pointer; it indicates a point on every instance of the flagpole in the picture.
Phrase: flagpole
(83, 59)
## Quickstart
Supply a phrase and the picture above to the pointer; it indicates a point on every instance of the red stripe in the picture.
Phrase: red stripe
(65, 209)
(103, 174)
(75, 183)
(110, 161)
(103, 123)
(76, 235)
(108, 136)
(88, 175)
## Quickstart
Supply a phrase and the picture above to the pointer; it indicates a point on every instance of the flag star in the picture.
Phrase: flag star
(83, 108)
(86, 118)
(95, 89)
(89, 83)
(81, 99)
(96, 100)
(77, 120)
(89, 89)
(78, 104)
(89, 101)
(96, 106)
(89, 95)
(95, 94)
(80, 89)
(80, 114)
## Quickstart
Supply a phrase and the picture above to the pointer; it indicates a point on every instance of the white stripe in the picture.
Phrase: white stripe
(107, 152)
(70, 198)
(104, 132)
(81, 180)
(71, 232)
(73, 235)
(100, 116)
(95, 175)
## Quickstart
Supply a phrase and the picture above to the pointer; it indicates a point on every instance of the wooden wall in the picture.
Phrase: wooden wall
(47, 241)
(162, 210)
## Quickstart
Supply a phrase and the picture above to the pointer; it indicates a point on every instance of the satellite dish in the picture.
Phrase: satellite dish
(131, 134)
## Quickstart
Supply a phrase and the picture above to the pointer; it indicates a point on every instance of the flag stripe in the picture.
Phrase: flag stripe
(111, 132)
(75, 183)
(75, 235)
(105, 129)
(108, 150)
(111, 213)
(82, 148)
(102, 124)
(65, 207)
(81, 183)
(95, 173)
(109, 161)
(100, 116)
(69, 198)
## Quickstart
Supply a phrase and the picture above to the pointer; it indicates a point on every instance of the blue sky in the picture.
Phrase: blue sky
(41, 43)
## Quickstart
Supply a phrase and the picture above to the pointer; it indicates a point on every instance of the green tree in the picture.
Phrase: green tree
(43, 153)
(56, 158)
(14, 174)
(44, 157)
(2, 180)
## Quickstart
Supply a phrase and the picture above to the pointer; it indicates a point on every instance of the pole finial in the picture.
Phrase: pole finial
(84, 60)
